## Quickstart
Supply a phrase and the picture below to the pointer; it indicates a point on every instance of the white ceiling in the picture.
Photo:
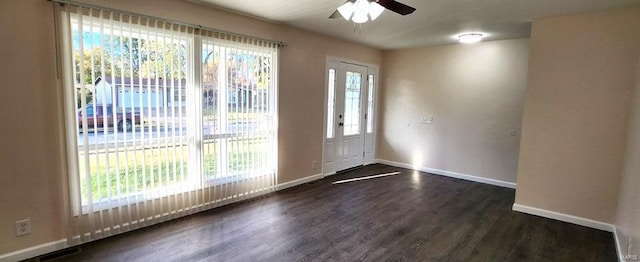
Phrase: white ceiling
(435, 22)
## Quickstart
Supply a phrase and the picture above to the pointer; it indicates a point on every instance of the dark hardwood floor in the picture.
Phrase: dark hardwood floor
(413, 216)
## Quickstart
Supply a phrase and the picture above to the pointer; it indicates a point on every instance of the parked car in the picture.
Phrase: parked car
(97, 116)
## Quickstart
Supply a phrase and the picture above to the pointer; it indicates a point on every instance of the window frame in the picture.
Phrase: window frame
(194, 80)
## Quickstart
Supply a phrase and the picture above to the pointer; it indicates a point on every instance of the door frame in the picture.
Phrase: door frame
(372, 69)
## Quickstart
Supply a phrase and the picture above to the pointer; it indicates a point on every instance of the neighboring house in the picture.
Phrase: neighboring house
(139, 92)
(242, 96)
(151, 93)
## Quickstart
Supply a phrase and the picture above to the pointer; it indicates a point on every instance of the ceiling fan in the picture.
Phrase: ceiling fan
(359, 11)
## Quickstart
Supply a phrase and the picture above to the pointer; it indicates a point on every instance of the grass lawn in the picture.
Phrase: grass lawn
(139, 170)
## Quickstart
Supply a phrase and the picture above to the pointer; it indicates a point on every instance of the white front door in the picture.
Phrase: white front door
(350, 100)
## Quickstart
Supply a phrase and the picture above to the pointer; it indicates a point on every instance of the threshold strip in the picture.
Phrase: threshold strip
(365, 178)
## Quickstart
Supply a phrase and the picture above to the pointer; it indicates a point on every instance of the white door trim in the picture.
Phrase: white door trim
(334, 62)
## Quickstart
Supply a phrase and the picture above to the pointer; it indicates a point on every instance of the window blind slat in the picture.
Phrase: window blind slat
(164, 120)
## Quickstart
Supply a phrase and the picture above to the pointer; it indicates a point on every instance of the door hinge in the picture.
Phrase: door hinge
(365, 116)
(363, 153)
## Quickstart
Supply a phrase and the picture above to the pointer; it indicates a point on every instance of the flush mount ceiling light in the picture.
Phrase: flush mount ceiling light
(470, 38)
(360, 11)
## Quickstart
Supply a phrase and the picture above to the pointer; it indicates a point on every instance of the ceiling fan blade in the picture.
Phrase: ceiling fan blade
(396, 6)
(335, 14)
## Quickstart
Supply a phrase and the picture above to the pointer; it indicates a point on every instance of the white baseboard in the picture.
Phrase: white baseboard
(298, 182)
(62, 244)
(34, 251)
(564, 217)
(478, 179)
(329, 174)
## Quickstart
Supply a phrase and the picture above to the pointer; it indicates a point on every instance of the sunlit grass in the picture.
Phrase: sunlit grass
(115, 174)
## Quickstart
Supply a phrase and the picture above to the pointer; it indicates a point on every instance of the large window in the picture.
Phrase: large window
(165, 113)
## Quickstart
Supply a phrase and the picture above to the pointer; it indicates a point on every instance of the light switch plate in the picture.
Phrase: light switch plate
(427, 120)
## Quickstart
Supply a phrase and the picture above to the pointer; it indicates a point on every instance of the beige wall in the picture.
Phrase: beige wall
(30, 183)
(31, 176)
(581, 75)
(628, 216)
(475, 94)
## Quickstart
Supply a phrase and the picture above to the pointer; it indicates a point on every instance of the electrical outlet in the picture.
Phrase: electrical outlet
(314, 164)
(23, 227)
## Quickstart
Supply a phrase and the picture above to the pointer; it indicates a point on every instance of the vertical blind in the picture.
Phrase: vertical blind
(163, 119)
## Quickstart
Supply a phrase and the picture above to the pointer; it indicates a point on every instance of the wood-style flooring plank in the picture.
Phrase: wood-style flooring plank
(412, 216)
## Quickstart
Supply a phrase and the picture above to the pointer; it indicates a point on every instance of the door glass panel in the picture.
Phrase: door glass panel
(331, 103)
(370, 106)
(352, 103)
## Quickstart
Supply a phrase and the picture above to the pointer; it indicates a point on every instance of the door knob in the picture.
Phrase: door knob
(340, 124)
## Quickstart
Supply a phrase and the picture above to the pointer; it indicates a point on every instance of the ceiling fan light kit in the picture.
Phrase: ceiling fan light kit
(470, 38)
(346, 10)
(375, 10)
(360, 11)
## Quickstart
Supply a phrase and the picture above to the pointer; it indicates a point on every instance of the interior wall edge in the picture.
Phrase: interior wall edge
(568, 163)
(616, 238)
